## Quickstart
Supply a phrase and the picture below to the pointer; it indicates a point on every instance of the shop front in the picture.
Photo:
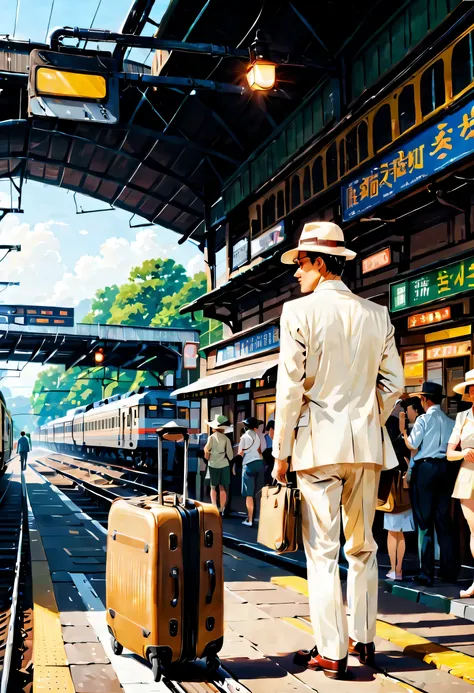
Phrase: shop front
(432, 314)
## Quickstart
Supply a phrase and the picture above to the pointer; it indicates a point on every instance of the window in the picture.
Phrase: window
(183, 412)
(280, 204)
(317, 175)
(363, 140)
(462, 64)
(342, 158)
(271, 210)
(331, 163)
(382, 128)
(295, 191)
(406, 108)
(306, 184)
(351, 149)
(432, 93)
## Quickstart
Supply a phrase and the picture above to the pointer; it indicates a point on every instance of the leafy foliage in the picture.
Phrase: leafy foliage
(152, 297)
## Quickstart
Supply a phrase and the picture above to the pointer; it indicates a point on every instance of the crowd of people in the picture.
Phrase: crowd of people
(254, 458)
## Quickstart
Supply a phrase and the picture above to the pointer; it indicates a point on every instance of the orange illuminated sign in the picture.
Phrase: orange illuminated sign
(448, 351)
(434, 316)
(376, 261)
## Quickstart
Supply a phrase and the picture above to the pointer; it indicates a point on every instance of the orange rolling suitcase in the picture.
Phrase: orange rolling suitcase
(165, 583)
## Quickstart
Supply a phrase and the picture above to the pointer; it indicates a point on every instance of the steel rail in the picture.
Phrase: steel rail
(14, 599)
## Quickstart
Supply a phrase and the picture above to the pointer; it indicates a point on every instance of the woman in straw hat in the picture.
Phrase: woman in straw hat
(463, 434)
(218, 451)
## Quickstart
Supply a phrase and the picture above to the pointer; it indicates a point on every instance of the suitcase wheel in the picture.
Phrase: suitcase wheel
(117, 648)
(155, 667)
(212, 664)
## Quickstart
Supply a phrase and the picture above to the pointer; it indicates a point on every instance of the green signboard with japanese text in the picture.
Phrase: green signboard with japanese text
(433, 285)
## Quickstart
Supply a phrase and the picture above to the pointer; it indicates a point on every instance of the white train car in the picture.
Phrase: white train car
(122, 425)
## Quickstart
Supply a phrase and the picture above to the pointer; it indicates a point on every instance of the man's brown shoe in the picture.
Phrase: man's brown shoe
(333, 668)
(365, 651)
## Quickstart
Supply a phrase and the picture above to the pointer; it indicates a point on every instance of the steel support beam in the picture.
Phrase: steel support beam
(181, 82)
(116, 181)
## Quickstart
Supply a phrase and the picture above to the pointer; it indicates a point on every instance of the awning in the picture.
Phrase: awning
(252, 371)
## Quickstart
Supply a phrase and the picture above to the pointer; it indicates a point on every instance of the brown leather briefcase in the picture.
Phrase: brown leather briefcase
(279, 526)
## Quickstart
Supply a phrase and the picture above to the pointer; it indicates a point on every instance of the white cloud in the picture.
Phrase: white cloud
(111, 266)
(195, 265)
(84, 232)
(45, 279)
(37, 267)
(5, 200)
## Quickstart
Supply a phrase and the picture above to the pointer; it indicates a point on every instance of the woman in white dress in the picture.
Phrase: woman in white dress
(463, 433)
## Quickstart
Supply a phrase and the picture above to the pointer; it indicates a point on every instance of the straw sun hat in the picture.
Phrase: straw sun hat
(320, 237)
(461, 387)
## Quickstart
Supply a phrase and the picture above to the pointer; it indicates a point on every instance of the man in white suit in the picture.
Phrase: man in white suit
(339, 377)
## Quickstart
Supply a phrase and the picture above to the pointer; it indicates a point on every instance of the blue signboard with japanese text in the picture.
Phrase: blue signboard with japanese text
(430, 151)
(253, 344)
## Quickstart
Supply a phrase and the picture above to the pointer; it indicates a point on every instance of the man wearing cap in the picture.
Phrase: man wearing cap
(432, 483)
(218, 452)
(339, 377)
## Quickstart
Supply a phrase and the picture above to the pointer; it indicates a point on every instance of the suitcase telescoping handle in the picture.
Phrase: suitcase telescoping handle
(171, 431)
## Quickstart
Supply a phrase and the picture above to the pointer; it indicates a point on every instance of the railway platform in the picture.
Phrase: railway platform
(266, 612)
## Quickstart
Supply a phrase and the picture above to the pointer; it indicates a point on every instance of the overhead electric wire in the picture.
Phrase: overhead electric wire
(49, 20)
(95, 14)
(17, 13)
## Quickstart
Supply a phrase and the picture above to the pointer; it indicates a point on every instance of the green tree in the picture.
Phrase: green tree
(102, 304)
(141, 298)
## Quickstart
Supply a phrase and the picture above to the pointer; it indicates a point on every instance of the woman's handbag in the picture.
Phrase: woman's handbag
(279, 526)
(398, 499)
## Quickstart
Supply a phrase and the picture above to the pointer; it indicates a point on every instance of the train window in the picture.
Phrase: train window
(306, 184)
(295, 191)
(331, 164)
(351, 149)
(406, 108)
(317, 175)
(152, 411)
(167, 410)
(363, 140)
(462, 64)
(342, 158)
(382, 128)
(280, 204)
(432, 92)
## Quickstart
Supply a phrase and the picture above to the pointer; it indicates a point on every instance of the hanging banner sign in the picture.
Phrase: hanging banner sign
(432, 286)
(431, 151)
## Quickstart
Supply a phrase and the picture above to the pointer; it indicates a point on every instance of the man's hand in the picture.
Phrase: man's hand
(280, 468)
(469, 456)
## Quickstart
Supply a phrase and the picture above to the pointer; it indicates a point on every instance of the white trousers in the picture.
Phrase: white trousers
(325, 490)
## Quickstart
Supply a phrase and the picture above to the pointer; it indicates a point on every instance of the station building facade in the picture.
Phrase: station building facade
(388, 156)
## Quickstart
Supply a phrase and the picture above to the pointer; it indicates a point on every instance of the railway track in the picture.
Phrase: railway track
(93, 493)
(15, 585)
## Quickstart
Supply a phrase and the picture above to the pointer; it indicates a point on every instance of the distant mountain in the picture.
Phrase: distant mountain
(82, 308)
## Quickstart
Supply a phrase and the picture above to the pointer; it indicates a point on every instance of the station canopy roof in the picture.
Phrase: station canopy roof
(136, 348)
(174, 147)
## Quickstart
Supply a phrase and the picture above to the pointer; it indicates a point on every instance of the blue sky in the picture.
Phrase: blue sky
(66, 257)
(34, 15)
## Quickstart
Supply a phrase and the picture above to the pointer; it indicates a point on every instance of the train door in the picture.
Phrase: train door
(123, 426)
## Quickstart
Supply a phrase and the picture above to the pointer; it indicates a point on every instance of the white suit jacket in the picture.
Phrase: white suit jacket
(339, 377)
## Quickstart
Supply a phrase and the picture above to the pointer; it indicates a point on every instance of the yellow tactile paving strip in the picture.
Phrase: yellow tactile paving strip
(456, 663)
(51, 670)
